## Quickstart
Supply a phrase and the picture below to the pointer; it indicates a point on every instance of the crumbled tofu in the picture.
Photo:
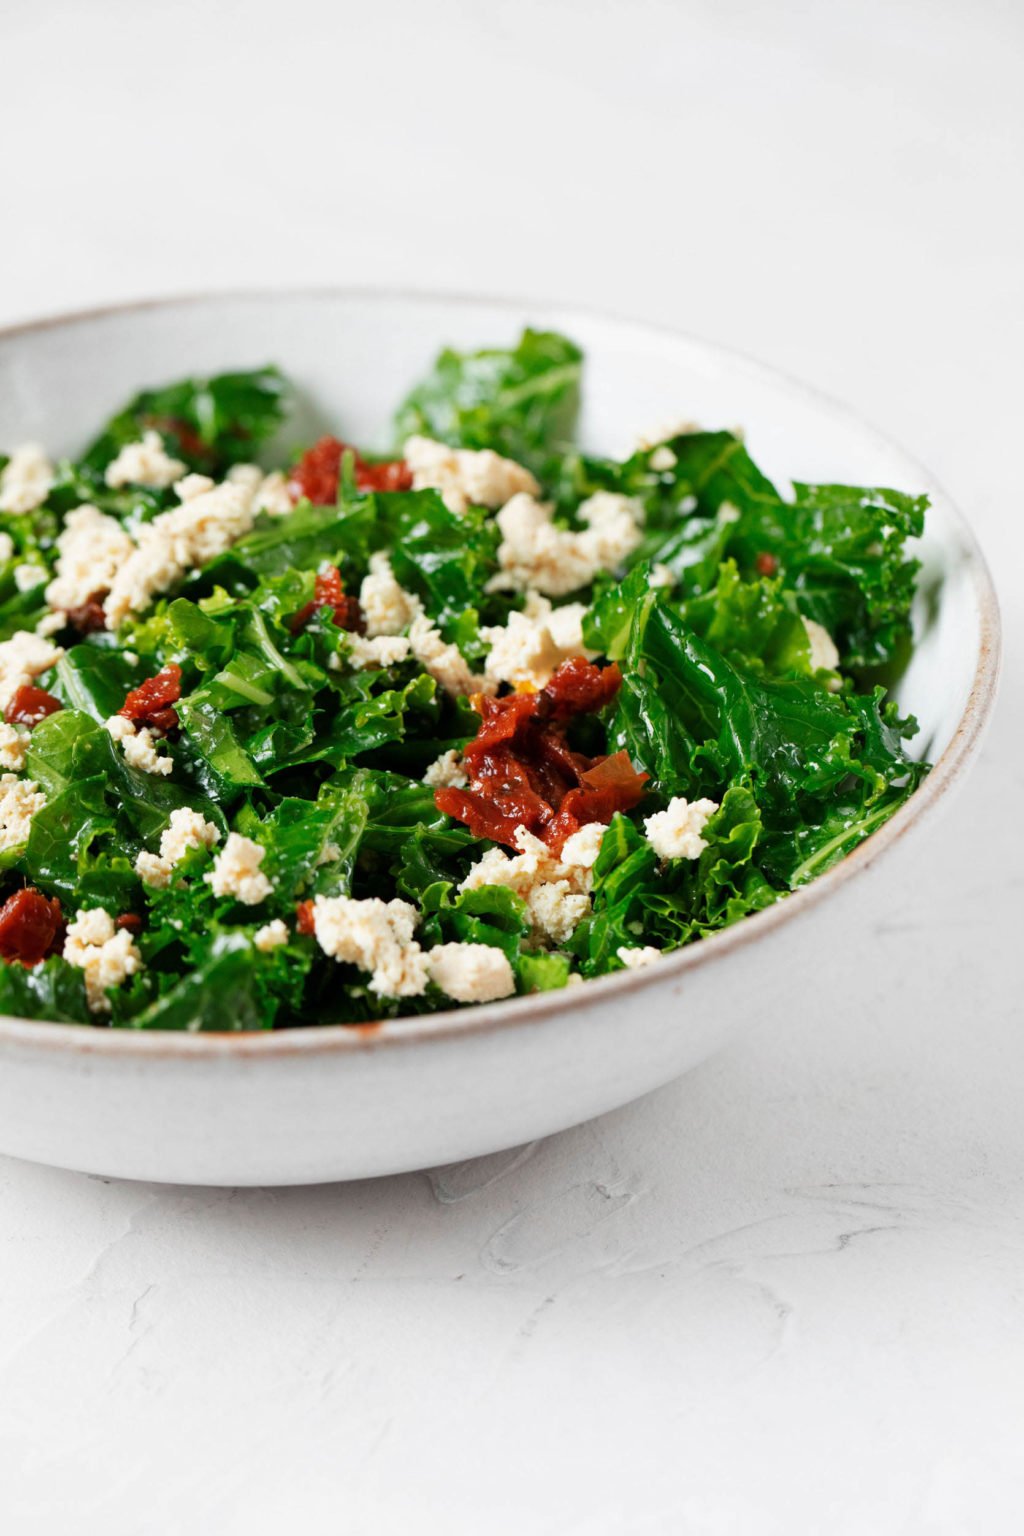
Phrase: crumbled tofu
(466, 477)
(28, 576)
(534, 643)
(187, 829)
(270, 936)
(90, 550)
(236, 871)
(107, 955)
(824, 653)
(663, 459)
(190, 486)
(583, 847)
(22, 659)
(554, 561)
(144, 463)
(272, 494)
(635, 958)
(446, 772)
(384, 651)
(13, 745)
(206, 524)
(20, 799)
(445, 663)
(387, 607)
(675, 833)
(556, 891)
(26, 480)
(51, 623)
(471, 973)
(138, 745)
(376, 936)
(679, 427)
(6, 548)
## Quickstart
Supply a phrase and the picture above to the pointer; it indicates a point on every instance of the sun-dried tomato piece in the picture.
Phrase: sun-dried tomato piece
(28, 705)
(304, 917)
(523, 772)
(317, 474)
(89, 618)
(766, 563)
(328, 592)
(130, 920)
(146, 703)
(30, 926)
(579, 687)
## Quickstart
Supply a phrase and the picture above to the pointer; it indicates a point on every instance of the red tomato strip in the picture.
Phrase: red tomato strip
(523, 773)
(328, 592)
(31, 927)
(28, 705)
(151, 702)
(316, 475)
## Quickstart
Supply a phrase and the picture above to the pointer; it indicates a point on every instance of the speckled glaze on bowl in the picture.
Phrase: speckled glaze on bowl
(318, 1104)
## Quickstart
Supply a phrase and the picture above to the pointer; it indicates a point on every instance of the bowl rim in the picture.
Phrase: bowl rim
(449, 1024)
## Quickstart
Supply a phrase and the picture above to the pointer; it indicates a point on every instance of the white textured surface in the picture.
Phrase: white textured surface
(783, 1295)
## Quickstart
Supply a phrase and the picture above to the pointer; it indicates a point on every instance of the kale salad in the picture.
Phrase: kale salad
(334, 736)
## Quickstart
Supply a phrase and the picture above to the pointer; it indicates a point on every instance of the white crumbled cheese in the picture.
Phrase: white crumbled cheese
(90, 550)
(556, 891)
(193, 485)
(270, 936)
(376, 936)
(726, 513)
(824, 653)
(13, 744)
(471, 973)
(106, 954)
(51, 623)
(446, 772)
(28, 576)
(675, 833)
(20, 799)
(384, 651)
(534, 643)
(634, 959)
(387, 607)
(445, 663)
(272, 494)
(236, 871)
(187, 829)
(554, 561)
(146, 462)
(138, 746)
(6, 548)
(27, 479)
(208, 521)
(583, 847)
(465, 477)
(328, 854)
(22, 658)
(662, 575)
(663, 459)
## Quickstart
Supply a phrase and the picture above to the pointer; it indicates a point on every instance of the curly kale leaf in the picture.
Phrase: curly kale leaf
(522, 402)
(209, 423)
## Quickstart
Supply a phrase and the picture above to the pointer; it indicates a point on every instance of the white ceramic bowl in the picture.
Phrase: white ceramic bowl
(324, 1103)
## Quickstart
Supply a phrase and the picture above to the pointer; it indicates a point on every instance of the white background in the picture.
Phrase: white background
(785, 1294)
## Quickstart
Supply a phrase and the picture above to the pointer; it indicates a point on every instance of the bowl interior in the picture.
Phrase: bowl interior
(353, 355)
